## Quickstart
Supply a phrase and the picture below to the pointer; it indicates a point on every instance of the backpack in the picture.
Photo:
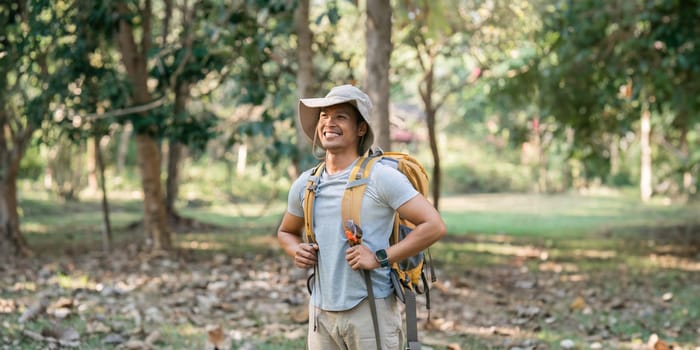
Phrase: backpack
(408, 276)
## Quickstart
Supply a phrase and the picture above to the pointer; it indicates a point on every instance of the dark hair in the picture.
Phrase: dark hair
(359, 120)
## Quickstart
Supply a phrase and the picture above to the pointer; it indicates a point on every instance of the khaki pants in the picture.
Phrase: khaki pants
(353, 329)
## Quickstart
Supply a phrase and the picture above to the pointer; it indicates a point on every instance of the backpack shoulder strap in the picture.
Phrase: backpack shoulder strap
(309, 198)
(350, 210)
(355, 189)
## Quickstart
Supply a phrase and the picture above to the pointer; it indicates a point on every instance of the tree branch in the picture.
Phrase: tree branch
(449, 92)
(128, 110)
(187, 19)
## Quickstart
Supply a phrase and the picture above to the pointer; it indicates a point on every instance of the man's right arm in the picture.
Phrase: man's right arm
(289, 237)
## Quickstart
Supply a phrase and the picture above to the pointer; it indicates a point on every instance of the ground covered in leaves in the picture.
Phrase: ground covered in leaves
(130, 299)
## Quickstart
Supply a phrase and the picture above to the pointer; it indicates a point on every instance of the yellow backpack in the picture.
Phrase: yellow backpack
(408, 276)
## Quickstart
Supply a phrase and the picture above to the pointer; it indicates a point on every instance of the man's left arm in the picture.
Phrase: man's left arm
(429, 229)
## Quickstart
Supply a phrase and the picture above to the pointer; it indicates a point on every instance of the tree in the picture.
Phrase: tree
(439, 37)
(27, 61)
(316, 63)
(378, 37)
(92, 84)
(304, 74)
(606, 68)
(132, 20)
(195, 55)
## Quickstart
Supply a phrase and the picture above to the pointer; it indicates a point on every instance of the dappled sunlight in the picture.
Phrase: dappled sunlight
(200, 245)
(674, 262)
(35, 228)
(24, 286)
(500, 238)
(267, 241)
(73, 282)
(594, 254)
(189, 330)
(513, 250)
(574, 278)
(7, 306)
(551, 266)
(126, 285)
(681, 249)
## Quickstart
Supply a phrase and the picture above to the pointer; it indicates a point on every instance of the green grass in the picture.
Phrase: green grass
(558, 216)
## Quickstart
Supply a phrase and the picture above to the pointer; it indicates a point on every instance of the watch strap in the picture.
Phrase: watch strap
(383, 262)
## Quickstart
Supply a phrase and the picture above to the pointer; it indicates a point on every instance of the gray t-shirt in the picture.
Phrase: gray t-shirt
(337, 287)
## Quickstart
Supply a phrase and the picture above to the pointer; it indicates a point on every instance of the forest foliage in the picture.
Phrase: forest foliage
(568, 95)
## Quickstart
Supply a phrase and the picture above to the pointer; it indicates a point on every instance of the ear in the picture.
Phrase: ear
(362, 130)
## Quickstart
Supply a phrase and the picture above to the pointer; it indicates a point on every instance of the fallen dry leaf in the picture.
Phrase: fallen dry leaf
(216, 336)
(300, 314)
(578, 304)
(97, 327)
(7, 306)
(62, 303)
(661, 345)
(134, 344)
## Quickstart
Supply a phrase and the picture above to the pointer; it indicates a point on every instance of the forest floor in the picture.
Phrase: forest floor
(631, 288)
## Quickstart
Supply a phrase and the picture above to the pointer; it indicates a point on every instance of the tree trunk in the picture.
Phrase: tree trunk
(541, 171)
(154, 219)
(135, 62)
(106, 225)
(305, 77)
(614, 155)
(172, 186)
(430, 116)
(684, 149)
(91, 165)
(175, 148)
(123, 149)
(566, 169)
(378, 38)
(437, 174)
(241, 159)
(645, 147)
(12, 241)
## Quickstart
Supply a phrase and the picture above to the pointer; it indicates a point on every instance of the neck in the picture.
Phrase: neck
(337, 162)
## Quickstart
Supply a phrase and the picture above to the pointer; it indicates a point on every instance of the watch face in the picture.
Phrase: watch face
(381, 254)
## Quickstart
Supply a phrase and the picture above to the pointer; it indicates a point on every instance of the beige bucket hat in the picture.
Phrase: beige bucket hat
(310, 108)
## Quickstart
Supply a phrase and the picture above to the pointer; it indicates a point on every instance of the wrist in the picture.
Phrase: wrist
(382, 258)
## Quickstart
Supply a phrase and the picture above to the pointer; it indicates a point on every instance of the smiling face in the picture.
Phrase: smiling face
(340, 128)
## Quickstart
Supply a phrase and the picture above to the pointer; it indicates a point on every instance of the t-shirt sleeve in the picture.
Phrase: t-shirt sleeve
(393, 187)
(295, 198)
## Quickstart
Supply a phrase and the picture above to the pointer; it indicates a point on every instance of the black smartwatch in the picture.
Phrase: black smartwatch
(382, 257)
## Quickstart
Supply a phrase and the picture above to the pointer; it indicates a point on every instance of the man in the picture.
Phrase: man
(339, 310)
